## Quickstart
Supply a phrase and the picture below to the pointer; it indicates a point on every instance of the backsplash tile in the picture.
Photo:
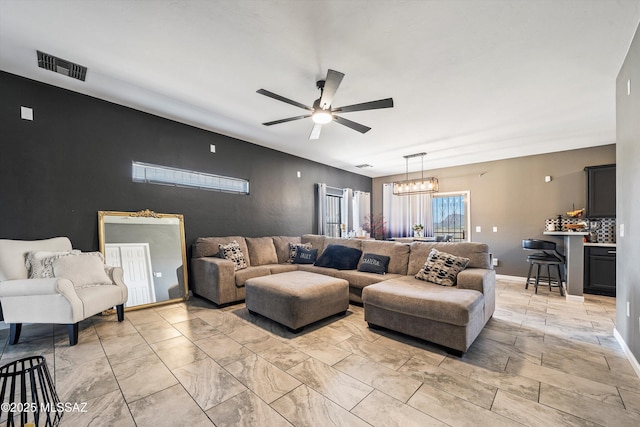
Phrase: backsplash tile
(606, 232)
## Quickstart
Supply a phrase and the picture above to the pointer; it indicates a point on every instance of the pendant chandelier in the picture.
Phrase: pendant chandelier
(415, 186)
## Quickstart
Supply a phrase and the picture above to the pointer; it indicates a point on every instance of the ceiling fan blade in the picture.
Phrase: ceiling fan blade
(353, 125)
(371, 105)
(290, 119)
(315, 132)
(283, 99)
(331, 85)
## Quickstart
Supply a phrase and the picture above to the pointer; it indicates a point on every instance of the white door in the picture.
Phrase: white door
(135, 260)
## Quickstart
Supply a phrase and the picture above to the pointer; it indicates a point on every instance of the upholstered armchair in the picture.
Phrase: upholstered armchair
(66, 286)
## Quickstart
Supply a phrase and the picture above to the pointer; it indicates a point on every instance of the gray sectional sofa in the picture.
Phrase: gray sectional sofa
(450, 316)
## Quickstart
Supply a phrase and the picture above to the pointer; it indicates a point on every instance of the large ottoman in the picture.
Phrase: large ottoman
(296, 299)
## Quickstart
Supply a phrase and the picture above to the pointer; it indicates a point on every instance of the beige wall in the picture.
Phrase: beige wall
(513, 196)
(628, 199)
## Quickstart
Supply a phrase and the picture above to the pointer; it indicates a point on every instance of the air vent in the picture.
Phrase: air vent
(364, 165)
(62, 66)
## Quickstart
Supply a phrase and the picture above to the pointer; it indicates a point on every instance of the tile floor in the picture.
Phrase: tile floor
(540, 361)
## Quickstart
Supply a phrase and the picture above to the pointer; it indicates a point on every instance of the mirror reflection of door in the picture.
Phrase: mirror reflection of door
(150, 247)
(135, 260)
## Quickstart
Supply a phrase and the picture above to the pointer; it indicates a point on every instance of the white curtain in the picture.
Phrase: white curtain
(355, 209)
(345, 209)
(402, 212)
(361, 212)
(321, 203)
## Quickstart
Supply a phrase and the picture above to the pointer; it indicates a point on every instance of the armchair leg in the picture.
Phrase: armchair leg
(72, 328)
(120, 311)
(14, 333)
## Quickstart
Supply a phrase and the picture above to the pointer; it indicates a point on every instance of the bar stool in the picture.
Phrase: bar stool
(547, 255)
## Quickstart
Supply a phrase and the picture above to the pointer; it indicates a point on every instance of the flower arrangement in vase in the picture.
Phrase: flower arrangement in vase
(418, 230)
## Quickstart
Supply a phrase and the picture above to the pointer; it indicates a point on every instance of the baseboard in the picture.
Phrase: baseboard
(627, 351)
(511, 278)
(573, 298)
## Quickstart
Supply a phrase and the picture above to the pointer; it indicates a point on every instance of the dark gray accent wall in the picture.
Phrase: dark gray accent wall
(74, 159)
(512, 195)
(628, 200)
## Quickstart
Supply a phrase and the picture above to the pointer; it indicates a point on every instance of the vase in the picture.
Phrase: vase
(417, 233)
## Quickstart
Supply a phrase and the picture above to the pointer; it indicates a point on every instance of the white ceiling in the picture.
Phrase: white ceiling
(472, 80)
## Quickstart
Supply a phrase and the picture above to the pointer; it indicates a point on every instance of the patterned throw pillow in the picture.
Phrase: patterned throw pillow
(39, 263)
(233, 253)
(293, 248)
(442, 268)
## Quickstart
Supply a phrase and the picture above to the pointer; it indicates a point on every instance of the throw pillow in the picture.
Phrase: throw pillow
(374, 263)
(339, 257)
(442, 268)
(38, 263)
(233, 253)
(305, 256)
(83, 269)
(293, 248)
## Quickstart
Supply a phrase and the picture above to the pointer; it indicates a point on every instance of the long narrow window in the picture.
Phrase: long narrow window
(165, 175)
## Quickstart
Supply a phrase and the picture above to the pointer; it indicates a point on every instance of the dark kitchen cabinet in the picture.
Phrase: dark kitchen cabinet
(601, 191)
(600, 270)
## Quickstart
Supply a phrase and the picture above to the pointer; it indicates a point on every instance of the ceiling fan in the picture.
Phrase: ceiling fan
(321, 113)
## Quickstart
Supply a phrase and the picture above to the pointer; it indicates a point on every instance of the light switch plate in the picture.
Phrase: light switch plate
(495, 229)
(26, 113)
(478, 229)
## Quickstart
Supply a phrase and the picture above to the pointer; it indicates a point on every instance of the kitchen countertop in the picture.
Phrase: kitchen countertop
(566, 233)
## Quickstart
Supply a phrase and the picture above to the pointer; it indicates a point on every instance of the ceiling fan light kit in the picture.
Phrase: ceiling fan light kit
(321, 112)
(420, 185)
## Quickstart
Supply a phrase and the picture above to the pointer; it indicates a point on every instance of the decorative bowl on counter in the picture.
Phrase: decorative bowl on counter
(576, 214)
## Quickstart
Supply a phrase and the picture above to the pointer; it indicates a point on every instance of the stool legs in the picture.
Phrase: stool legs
(536, 281)
(526, 286)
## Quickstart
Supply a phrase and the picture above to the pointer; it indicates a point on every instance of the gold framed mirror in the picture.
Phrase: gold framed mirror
(150, 247)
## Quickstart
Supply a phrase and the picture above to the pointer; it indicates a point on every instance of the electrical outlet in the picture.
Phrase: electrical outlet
(212, 148)
(495, 229)
(478, 229)
(299, 174)
(495, 262)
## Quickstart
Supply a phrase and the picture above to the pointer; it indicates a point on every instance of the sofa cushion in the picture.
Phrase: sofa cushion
(320, 270)
(374, 263)
(398, 252)
(442, 268)
(339, 257)
(423, 299)
(359, 279)
(478, 254)
(282, 268)
(293, 250)
(281, 244)
(83, 269)
(305, 256)
(261, 250)
(209, 246)
(232, 252)
(242, 276)
(317, 241)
